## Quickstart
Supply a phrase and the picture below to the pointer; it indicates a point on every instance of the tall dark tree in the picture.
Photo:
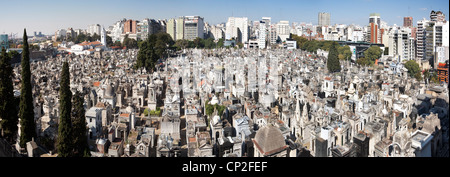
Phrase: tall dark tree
(26, 110)
(80, 143)
(109, 41)
(8, 111)
(333, 63)
(65, 142)
(155, 47)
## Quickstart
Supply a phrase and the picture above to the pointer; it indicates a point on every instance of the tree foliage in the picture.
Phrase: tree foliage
(65, 141)
(146, 112)
(300, 40)
(333, 63)
(155, 47)
(109, 41)
(26, 110)
(156, 112)
(413, 69)
(220, 43)
(362, 61)
(80, 142)
(345, 52)
(8, 111)
(373, 53)
(209, 109)
(130, 43)
(220, 109)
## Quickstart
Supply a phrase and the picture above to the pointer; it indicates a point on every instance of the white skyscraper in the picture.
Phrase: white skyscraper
(237, 28)
(193, 27)
(94, 29)
(401, 44)
(324, 19)
(117, 30)
(262, 35)
(283, 30)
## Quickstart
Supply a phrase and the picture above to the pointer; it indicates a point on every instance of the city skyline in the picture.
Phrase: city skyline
(48, 16)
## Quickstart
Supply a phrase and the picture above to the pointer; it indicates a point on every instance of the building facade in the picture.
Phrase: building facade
(179, 29)
(262, 35)
(402, 44)
(407, 22)
(283, 30)
(237, 28)
(94, 29)
(129, 27)
(193, 27)
(171, 28)
(324, 19)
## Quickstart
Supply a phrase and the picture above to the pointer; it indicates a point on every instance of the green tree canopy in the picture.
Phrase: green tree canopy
(345, 52)
(362, 61)
(155, 47)
(209, 43)
(373, 53)
(209, 109)
(300, 40)
(413, 69)
(199, 43)
(130, 43)
(220, 43)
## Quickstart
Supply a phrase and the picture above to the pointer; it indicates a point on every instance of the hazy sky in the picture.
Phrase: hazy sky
(47, 16)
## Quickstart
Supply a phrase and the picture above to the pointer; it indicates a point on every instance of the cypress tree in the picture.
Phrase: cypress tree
(80, 142)
(65, 147)
(26, 112)
(8, 111)
(333, 63)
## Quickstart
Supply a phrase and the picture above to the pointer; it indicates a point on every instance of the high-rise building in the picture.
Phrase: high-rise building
(375, 18)
(437, 16)
(407, 22)
(402, 44)
(4, 41)
(267, 21)
(283, 30)
(170, 29)
(94, 29)
(142, 29)
(420, 38)
(117, 30)
(262, 35)
(193, 27)
(324, 19)
(431, 35)
(129, 27)
(374, 28)
(433, 40)
(179, 28)
(374, 33)
(272, 35)
(237, 28)
(217, 32)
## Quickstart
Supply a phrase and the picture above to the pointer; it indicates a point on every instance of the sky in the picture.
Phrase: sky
(48, 16)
